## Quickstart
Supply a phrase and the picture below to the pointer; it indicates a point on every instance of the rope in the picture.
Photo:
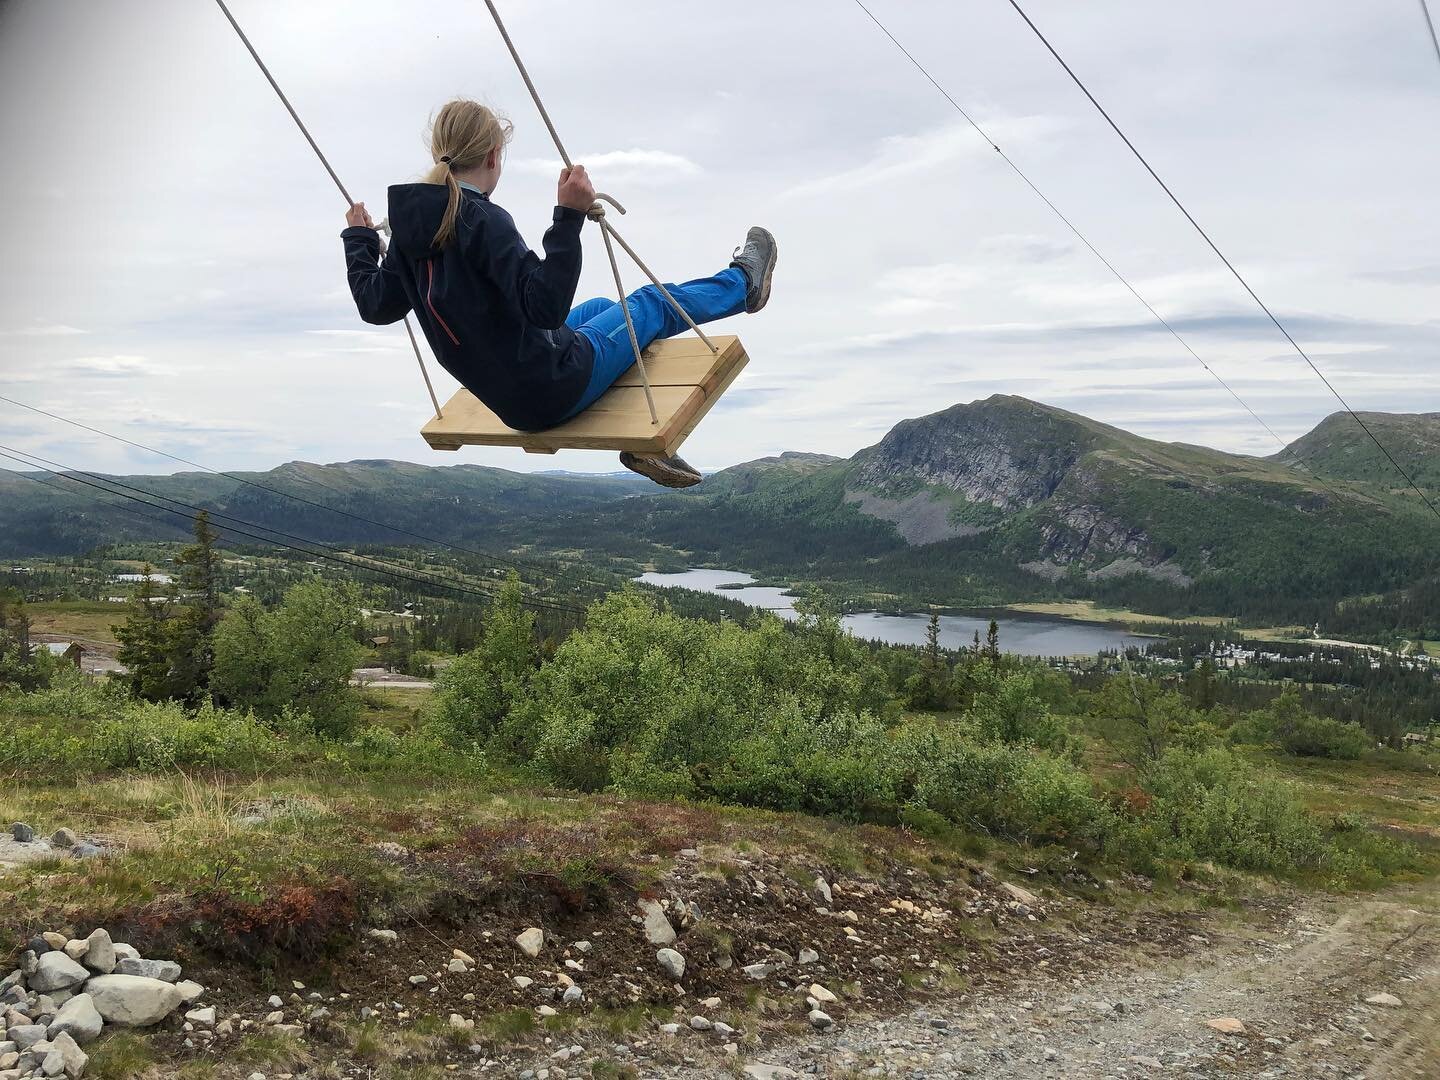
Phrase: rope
(244, 40)
(597, 214)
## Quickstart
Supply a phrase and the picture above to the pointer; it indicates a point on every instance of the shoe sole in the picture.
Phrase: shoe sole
(769, 271)
(654, 468)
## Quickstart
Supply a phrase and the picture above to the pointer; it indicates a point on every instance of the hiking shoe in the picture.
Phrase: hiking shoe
(665, 469)
(757, 258)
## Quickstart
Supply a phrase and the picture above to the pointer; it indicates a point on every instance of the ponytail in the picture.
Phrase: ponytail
(462, 135)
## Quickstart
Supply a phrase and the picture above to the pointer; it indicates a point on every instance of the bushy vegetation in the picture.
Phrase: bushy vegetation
(1286, 724)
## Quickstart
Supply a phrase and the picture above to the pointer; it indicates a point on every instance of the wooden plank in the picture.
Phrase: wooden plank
(686, 379)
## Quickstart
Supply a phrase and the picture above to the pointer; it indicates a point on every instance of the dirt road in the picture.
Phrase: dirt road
(1298, 985)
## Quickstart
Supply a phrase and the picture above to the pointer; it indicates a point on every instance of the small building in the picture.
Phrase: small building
(1413, 738)
(379, 642)
(72, 651)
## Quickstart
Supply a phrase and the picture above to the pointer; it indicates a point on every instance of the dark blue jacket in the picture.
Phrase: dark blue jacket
(492, 310)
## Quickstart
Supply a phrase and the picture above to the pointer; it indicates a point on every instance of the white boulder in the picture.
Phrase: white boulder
(56, 971)
(133, 1000)
(79, 1017)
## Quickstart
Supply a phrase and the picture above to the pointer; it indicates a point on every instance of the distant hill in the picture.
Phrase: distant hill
(987, 502)
(1338, 448)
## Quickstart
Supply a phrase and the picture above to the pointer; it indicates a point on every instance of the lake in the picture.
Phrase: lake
(1024, 635)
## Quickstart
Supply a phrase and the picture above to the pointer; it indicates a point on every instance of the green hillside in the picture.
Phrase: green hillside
(1339, 448)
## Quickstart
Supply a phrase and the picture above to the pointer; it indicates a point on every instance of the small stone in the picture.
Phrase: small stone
(670, 1029)
(419, 980)
(79, 1018)
(658, 930)
(463, 957)
(75, 948)
(164, 970)
(22, 833)
(722, 1030)
(274, 1001)
(808, 956)
(757, 1070)
(822, 891)
(100, 952)
(190, 991)
(204, 1017)
(460, 1023)
(546, 1010)
(1390, 1001)
(1021, 896)
(382, 937)
(530, 941)
(758, 971)
(25, 1036)
(52, 939)
(523, 982)
(820, 1021)
(822, 995)
(700, 1023)
(582, 946)
(256, 1076)
(456, 967)
(672, 962)
(572, 994)
(940, 1025)
(1226, 1025)
(276, 1017)
(125, 952)
(62, 838)
(56, 971)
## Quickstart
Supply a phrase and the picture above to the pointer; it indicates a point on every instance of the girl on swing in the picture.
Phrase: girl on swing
(500, 318)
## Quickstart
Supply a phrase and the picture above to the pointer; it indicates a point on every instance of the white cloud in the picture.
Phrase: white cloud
(614, 167)
(48, 330)
(115, 366)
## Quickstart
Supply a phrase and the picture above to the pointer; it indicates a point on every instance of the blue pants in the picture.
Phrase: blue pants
(603, 323)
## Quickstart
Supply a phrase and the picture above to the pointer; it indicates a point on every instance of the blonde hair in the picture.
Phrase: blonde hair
(462, 135)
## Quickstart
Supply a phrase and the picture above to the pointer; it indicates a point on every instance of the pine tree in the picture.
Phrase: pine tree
(992, 642)
(192, 632)
(145, 641)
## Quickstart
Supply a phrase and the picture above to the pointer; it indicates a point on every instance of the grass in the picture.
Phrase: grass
(1090, 611)
(91, 619)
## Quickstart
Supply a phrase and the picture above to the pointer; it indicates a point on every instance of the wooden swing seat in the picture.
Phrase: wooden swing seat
(686, 379)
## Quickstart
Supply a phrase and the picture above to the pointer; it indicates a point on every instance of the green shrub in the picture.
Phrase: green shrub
(150, 735)
(1286, 724)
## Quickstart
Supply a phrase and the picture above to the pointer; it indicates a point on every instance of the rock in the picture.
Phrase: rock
(808, 956)
(133, 1000)
(125, 952)
(820, 1021)
(456, 967)
(56, 971)
(758, 1070)
(572, 994)
(86, 850)
(658, 930)
(722, 1030)
(256, 1076)
(54, 940)
(524, 982)
(1021, 896)
(206, 1017)
(672, 962)
(25, 1036)
(700, 1023)
(418, 980)
(75, 948)
(823, 996)
(546, 1010)
(79, 1018)
(62, 838)
(29, 961)
(383, 937)
(189, 991)
(274, 1002)
(100, 952)
(822, 891)
(22, 833)
(163, 970)
(758, 971)
(460, 1023)
(1388, 1000)
(670, 1029)
(276, 1017)
(39, 945)
(463, 957)
(73, 1059)
(530, 941)
(1226, 1025)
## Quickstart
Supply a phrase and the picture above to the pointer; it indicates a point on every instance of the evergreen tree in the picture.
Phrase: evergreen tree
(992, 642)
(145, 641)
(192, 631)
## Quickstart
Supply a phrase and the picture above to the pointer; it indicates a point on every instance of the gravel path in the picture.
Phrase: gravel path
(1298, 988)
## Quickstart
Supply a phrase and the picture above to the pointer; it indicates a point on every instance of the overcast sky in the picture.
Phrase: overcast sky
(173, 270)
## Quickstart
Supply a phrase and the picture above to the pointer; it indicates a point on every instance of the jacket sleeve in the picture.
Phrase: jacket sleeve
(542, 290)
(379, 295)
